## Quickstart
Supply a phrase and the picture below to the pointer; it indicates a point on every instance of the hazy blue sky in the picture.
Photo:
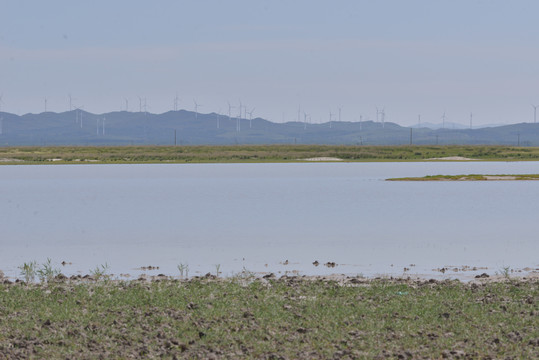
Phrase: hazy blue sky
(411, 57)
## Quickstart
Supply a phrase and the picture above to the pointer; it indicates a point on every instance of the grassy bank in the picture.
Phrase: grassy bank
(255, 153)
(245, 317)
(472, 177)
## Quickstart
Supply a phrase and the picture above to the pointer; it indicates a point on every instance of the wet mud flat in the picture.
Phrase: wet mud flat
(289, 317)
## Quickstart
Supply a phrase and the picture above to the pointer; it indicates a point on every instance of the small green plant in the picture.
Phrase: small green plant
(244, 277)
(505, 272)
(47, 272)
(100, 271)
(28, 270)
(184, 271)
(247, 274)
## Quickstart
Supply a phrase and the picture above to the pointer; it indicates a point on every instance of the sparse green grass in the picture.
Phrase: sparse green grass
(47, 271)
(100, 272)
(244, 317)
(253, 153)
(184, 270)
(29, 271)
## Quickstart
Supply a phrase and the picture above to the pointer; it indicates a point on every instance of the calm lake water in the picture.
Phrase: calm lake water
(257, 216)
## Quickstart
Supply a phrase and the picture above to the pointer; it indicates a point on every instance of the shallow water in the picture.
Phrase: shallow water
(256, 216)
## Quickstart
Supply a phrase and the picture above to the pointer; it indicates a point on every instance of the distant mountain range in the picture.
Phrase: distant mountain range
(452, 125)
(188, 128)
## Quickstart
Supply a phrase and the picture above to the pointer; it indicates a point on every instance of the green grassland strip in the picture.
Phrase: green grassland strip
(256, 153)
(274, 318)
(471, 177)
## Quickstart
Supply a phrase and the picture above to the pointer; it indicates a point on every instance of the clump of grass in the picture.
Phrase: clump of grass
(244, 277)
(184, 271)
(100, 272)
(47, 272)
(29, 271)
(504, 271)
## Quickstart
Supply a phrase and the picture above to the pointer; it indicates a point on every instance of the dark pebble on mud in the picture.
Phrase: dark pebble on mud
(483, 275)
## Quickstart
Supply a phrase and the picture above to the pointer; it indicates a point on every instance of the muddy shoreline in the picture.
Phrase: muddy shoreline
(341, 279)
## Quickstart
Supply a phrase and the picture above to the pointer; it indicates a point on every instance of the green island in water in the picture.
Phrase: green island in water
(472, 177)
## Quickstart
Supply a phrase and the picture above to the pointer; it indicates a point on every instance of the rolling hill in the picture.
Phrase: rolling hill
(187, 128)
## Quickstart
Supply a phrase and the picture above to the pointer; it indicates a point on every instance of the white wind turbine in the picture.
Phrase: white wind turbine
(230, 107)
(78, 115)
(238, 119)
(535, 113)
(1, 118)
(250, 117)
(197, 105)
(70, 101)
(443, 120)
(176, 101)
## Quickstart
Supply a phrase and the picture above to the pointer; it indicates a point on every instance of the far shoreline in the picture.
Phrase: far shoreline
(218, 154)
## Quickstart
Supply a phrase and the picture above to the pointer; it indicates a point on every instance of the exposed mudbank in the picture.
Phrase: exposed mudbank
(472, 177)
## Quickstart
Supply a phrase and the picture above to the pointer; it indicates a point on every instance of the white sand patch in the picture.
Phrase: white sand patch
(453, 158)
(9, 160)
(501, 177)
(323, 158)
